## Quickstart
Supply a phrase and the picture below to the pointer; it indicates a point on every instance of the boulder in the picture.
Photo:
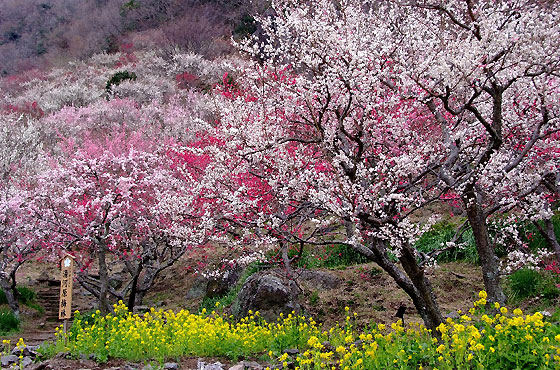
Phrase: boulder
(27, 351)
(269, 292)
(198, 287)
(217, 285)
(44, 365)
(8, 360)
(453, 315)
(291, 351)
(247, 365)
(252, 365)
(209, 366)
(140, 309)
(315, 279)
(26, 362)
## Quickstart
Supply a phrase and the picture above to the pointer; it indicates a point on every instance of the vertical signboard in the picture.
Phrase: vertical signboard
(66, 279)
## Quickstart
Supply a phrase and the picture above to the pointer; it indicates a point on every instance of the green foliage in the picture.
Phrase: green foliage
(47, 350)
(534, 238)
(130, 5)
(335, 256)
(245, 27)
(314, 298)
(550, 289)
(8, 321)
(25, 296)
(119, 77)
(528, 283)
(524, 283)
(443, 232)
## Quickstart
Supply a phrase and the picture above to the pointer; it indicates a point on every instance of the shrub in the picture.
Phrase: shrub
(524, 283)
(314, 298)
(534, 238)
(245, 27)
(8, 321)
(26, 296)
(443, 232)
(335, 256)
(550, 289)
(119, 77)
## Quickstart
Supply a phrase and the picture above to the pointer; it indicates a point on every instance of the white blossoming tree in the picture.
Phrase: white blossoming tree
(369, 111)
(490, 74)
(333, 147)
(19, 148)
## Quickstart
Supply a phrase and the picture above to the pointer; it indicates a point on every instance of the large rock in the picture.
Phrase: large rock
(268, 292)
(315, 279)
(247, 365)
(8, 360)
(209, 366)
(26, 362)
(215, 286)
(27, 351)
(198, 287)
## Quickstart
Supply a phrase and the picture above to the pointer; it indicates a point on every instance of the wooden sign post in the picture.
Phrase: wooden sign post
(66, 280)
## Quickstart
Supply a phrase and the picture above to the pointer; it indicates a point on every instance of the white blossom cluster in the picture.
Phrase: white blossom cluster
(227, 265)
(518, 259)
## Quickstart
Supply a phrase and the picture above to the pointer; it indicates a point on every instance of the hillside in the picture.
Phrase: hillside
(35, 34)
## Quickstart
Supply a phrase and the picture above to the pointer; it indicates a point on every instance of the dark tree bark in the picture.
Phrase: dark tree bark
(104, 305)
(134, 290)
(548, 233)
(484, 248)
(8, 285)
(423, 294)
(412, 280)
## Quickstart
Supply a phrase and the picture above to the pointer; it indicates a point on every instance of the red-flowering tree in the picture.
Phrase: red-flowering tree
(102, 203)
(16, 245)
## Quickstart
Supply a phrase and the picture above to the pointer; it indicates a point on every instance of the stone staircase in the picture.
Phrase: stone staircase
(48, 294)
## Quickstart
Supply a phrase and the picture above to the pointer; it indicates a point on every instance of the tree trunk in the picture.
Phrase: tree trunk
(139, 297)
(132, 296)
(8, 285)
(413, 282)
(146, 283)
(104, 305)
(286, 260)
(423, 296)
(488, 259)
(134, 292)
(548, 233)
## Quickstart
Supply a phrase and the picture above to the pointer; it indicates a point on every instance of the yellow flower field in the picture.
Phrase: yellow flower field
(488, 337)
